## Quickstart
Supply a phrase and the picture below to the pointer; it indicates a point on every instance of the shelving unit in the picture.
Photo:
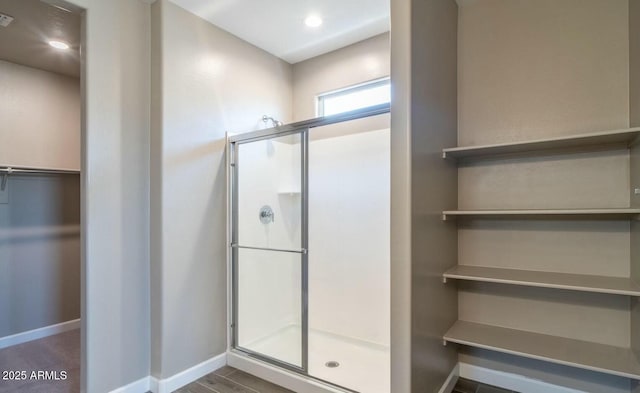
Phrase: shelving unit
(619, 213)
(624, 137)
(560, 350)
(547, 199)
(566, 281)
(593, 356)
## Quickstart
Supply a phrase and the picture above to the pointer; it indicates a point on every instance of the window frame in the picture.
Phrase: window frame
(320, 98)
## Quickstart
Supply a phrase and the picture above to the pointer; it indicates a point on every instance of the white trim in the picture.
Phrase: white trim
(450, 382)
(228, 174)
(510, 381)
(139, 386)
(273, 374)
(187, 376)
(36, 334)
(154, 385)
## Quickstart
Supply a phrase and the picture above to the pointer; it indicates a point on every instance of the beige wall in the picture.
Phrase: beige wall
(423, 121)
(572, 181)
(361, 62)
(40, 115)
(400, 162)
(210, 82)
(115, 200)
(434, 117)
(531, 69)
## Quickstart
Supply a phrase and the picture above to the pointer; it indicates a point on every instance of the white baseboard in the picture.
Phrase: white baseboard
(176, 381)
(35, 334)
(139, 386)
(154, 385)
(450, 382)
(510, 381)
(187, 376)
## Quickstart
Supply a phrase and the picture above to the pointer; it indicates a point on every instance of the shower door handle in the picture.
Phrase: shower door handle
(300, 251)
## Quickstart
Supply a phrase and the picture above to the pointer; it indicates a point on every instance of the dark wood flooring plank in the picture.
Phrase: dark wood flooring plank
(195, 388)
(491, 389)
(60, 352)
(256, 383)
(225, 371)
(466, 386)
(223, 384)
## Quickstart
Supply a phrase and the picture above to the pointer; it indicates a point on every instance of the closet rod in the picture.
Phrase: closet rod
(6, 171)
(10, 170)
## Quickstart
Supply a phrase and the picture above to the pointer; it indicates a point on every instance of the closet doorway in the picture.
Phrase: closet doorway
(40, 194)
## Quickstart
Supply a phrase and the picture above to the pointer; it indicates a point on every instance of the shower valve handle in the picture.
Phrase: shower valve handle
(266, 215)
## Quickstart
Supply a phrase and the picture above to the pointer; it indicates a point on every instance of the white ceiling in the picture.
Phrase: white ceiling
(25, 40)
(277, 26)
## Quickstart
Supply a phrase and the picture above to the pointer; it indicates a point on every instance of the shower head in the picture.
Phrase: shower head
(274, 122)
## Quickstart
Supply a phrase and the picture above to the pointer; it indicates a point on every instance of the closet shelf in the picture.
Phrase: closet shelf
(616, 137)
(623, 213)
(572, 282)
(576, 353)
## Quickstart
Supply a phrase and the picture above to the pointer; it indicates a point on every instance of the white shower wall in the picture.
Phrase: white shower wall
(348, 242)
(349, 213)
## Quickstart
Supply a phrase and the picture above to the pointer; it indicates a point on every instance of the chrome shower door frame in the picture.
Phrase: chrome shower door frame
(234, 144)
(234, 141)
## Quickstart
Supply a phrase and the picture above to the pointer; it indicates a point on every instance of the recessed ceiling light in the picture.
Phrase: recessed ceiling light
(5, 20)
(59, 45)
(313, 21)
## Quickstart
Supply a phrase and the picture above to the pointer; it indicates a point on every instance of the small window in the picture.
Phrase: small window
(356, 97)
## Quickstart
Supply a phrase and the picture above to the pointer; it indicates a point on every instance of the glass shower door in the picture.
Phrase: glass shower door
(269, 248)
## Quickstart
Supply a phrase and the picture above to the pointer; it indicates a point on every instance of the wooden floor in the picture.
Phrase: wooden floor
(55, 353)
(62, 353)
(467, 386)
(231, 380)
(228, 379)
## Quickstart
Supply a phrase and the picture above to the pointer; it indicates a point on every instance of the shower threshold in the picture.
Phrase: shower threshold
(363, 367)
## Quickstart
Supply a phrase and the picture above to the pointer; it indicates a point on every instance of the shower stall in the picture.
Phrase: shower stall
(310, 254)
